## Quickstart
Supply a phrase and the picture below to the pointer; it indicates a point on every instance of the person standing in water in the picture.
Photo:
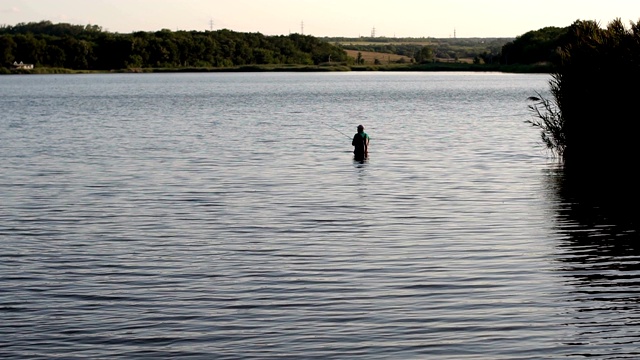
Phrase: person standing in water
(360, 144)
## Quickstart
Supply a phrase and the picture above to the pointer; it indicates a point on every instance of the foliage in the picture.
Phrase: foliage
(49, 28)
(548, 118)
(535, 46)
(423, 55)
(89, 48)
(591, 90)
(469, 48)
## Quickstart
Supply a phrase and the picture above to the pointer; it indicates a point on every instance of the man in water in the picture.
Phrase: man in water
(360, 144)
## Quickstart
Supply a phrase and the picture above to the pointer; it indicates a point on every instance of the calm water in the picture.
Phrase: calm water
(221, 216)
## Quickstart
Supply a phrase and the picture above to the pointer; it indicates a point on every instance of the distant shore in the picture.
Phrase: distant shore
(433, 67)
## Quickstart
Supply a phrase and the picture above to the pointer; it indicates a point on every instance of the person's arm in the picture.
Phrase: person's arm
(366, 146)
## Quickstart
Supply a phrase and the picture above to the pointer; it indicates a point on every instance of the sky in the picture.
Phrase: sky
(332, 18)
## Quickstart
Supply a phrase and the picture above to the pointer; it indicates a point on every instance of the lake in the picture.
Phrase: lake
(222, 216)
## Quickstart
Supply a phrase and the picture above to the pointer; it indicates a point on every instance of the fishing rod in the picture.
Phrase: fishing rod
(335, 129)
(502, 116)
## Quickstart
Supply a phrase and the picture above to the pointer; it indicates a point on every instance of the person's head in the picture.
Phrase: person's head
(360, 128)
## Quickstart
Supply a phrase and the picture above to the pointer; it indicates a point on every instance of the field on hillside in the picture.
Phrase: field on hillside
(370, 57)
(384, 58)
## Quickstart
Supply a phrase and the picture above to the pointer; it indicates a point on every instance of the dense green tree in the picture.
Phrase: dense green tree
(29, 49)
(424, 55)
(78, 53)
(535, 46)
(88, 47)
(113, 51)
(7, 50)
(55, 56)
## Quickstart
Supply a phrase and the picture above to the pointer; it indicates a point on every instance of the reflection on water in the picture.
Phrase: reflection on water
(596, 210)
(599, 257)
(360, 161)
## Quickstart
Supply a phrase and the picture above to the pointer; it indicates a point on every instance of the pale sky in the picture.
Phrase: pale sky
(348, 18)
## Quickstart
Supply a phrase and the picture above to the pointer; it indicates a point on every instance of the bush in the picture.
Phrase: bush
(588, 121)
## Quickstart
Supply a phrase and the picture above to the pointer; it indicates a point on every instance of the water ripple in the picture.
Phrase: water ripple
(216, 218)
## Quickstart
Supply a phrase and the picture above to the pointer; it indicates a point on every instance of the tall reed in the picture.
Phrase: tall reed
(590, 120)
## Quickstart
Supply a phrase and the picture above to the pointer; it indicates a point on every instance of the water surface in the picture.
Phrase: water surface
(222, 216)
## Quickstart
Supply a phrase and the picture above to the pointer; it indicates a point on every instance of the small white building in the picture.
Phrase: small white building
(22, 65)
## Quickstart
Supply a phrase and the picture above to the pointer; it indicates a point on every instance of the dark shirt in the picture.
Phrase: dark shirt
(359, 142)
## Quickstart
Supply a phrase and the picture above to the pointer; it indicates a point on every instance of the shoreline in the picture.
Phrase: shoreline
(430, 67)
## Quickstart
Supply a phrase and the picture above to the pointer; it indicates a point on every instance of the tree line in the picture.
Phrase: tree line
(428, 49)
(536, 46)
(90, 48)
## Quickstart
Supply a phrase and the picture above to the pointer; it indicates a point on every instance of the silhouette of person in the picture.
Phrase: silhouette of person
(360, 144)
